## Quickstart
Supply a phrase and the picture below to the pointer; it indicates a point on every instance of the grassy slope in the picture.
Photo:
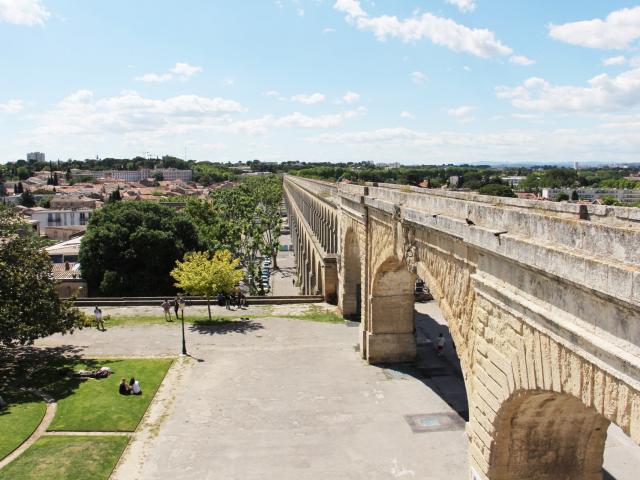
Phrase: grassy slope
(97, 406)
(67, 458)
(19, 419)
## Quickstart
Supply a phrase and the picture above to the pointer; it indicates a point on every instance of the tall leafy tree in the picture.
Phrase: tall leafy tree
(244, 219)
(29, 305)
(27, 199)
(207, 274)
(130, 248)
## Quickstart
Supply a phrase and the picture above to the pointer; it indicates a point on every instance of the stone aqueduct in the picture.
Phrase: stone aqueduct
(542, 301)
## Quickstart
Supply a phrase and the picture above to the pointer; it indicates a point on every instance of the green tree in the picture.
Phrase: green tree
(115, 196)
(562, 197)
(130, 247)
(26, 199)
(496, 190)
(609, 200)
(208, 275)
(574, 195)
(30, 307)
(23, 173)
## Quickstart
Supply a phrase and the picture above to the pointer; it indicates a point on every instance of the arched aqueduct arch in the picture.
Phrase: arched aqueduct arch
(542, 301)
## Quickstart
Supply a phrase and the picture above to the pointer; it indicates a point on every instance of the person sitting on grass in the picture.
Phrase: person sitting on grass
(134, 386)
(124, 388)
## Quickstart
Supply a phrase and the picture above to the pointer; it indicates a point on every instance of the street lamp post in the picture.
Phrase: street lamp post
(184, 345)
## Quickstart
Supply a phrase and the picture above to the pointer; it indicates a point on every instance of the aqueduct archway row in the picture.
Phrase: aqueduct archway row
(542, 303)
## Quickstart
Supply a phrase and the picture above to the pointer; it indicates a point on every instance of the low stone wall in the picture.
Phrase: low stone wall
(156, 301)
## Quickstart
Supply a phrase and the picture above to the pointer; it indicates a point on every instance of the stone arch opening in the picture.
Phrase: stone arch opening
(433, 317)
(547, 435)
(319, 285)
(390, 329)
(351, 296)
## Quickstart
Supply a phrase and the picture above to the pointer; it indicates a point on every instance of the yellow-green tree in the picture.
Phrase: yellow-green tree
(208, 275)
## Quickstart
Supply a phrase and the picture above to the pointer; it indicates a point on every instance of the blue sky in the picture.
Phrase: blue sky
(412, 81)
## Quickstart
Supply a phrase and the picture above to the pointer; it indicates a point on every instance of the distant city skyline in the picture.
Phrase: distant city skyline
(408, 81)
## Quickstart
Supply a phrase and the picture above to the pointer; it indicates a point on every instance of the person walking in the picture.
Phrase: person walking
(99, 321)
(181, 304)
(227, 300)
(166, 306)
(440, 344)
(176, 305)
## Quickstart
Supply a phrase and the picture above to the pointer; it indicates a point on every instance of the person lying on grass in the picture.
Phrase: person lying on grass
(102, 372)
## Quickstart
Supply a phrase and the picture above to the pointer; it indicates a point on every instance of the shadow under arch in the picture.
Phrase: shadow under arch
(547, 436)
(351, 296)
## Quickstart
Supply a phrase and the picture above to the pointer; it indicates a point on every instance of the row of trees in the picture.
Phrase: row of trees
(131, 247)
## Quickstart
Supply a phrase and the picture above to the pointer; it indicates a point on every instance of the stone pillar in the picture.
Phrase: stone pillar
(390, 328)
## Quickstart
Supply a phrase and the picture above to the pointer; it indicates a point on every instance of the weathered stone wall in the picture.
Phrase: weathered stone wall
(316, 267)
(514, 359)
(543, 305)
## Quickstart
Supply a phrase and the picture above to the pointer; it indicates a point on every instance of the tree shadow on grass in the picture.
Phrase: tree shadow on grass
(224, 326)
(48, 369)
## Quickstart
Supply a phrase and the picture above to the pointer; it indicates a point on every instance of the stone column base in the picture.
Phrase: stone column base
(390, 347)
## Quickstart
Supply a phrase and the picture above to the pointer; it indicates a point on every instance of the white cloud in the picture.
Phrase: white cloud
(603, 93)
(154, 77)
(297, 119)
(460, 112)
(441, 31)
(619, 60)
(308, 99)
(408, 115)
(181, 71)
(351, 7)
(617, 31)
(12, 106)
(418, 78)
(228, 82)
(130, 113)
(213, 146)
(272, 93)
(521, 60)
(185, 70)
(328, 30)
(466, 68)
(23, 12)
(463, 5)
(135, 118)
(351, 97)
(509, 146)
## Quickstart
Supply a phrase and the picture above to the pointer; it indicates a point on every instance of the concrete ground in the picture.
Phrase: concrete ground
(282, 279)
(279, 398)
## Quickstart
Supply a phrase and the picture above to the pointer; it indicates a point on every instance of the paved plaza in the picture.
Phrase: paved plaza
(279, 398)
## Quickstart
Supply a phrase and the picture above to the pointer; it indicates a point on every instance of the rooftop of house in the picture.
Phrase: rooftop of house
(69, 247)
(66, 271)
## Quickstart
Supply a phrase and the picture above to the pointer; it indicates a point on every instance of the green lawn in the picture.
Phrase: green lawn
(313, 314)
(19, 419)
(96, 404)
(317, 314)
(67, 458)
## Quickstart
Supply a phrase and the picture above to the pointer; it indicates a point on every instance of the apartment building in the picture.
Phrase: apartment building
(50, 217)
(590, 194)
